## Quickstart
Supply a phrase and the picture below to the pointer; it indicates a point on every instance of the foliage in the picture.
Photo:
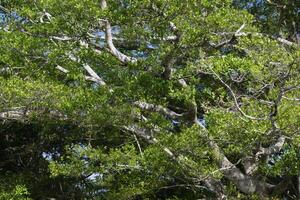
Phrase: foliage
(181, 99)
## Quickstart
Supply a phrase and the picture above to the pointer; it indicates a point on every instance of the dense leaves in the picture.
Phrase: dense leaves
(149, 99)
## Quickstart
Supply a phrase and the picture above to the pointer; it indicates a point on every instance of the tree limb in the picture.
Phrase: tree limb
(235, 99)
(272, 149)
(23, 114)
(95, 79)
(109, 39)
(157, 108)
(279, 39)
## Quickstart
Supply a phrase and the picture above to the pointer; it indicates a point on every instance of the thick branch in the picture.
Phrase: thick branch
(109, 39)
(13, 115)
(22, 114)
(244, 183)
(272, 149)
(170, 59)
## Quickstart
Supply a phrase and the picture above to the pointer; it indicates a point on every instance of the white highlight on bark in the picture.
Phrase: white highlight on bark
(157, 108)
(109, 39)
(93, 76)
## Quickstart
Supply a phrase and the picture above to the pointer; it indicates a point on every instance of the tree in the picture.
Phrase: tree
(147, 100)
(275, 17)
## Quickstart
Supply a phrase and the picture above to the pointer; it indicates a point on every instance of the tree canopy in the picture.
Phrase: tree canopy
(127, 99)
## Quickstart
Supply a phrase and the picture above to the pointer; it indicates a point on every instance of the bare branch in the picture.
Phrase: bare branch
(13, 115)
(291, 99)
(90, 71)
(45, 15)
(94, 74)
(23, 114)
(244, 183)
(109, 39)
(60, 68)
(233, 37)
(170, 59)
(146, 134)
(95, 79)
(235, 99)
(272, 149)
(157, 108)
(138, 144)
(61, 38)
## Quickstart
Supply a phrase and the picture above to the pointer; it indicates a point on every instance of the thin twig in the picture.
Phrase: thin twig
(235, 99)
(138, 144)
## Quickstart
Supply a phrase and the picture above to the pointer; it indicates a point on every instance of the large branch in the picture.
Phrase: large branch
(251, 163)
(272, 149)
(244, 183)
(23, 114)
(109, 39)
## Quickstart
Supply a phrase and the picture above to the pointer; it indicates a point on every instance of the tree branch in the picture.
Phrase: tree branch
(233, 38)
(94, 76)
(157, 108)
(235, 99)
(95, 79)
(272, 149)
(109, 39)
(23, 114)
(279, 39)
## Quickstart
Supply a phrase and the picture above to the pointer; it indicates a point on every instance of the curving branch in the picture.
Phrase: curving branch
(244, 183)
(45, 15)
(109, 39)
(235, 99)
(275, 148)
